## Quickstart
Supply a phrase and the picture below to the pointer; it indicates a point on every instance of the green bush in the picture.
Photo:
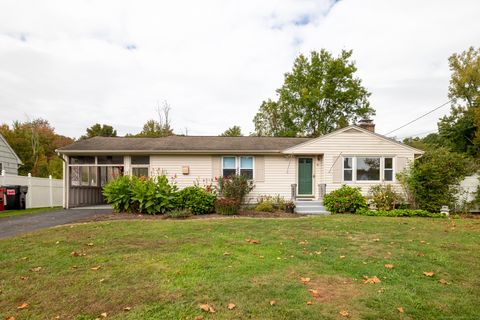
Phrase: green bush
(344, 199)
(277, 202)
(118, 193)
(235, 187)
(131, 194)
(196, 199)
(179, 213)
(433, 180)
(385, 197)
(265, 206)
(227, 206)
(400, 213)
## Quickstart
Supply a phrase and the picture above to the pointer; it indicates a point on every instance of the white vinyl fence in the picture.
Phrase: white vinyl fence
(42, 192)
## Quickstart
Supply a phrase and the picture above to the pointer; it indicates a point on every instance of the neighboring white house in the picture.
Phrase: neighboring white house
(299, 168)
(9, 161)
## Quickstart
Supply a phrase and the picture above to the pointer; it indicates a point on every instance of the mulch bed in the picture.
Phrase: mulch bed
(135, 216)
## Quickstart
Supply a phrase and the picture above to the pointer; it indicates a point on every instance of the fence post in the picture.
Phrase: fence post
(29, 198)
(51, 190)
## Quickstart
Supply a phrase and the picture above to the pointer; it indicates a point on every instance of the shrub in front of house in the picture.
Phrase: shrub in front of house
(385, 197)
(227, 206)
(235, 187)
(277, 202)
(118, 193)
(344, 200)
(400, 213)
(153, 195)
(264, 206)
(196, 199)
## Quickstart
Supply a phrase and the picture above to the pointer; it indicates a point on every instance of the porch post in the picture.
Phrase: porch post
(293, 191)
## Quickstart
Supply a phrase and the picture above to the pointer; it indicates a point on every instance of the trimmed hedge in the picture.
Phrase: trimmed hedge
(400, 213)
(344, 200)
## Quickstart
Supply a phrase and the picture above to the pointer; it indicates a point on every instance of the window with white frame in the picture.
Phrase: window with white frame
(232, 165)
(140, 166)
(368, 168)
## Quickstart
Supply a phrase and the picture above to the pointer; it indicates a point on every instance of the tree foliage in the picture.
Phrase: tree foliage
(157, 128)
(234, 131)
(99, 130)
(433, 180)
(35, 142)
(319, 95)
(460, 129)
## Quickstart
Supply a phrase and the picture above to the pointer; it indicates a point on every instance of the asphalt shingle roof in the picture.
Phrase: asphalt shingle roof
(182, 144)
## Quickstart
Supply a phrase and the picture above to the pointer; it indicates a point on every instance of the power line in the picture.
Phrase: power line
(416, 119)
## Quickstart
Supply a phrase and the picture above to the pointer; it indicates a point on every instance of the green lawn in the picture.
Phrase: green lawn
(11, 213)
(165, 269)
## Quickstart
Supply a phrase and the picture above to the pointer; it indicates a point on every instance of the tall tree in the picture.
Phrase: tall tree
(35, 143)
(234, 131)
(319, 95)
(461, 129)
(99, 130)
(157, 128)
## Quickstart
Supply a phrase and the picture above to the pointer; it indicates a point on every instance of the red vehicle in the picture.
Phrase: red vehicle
(2, 198)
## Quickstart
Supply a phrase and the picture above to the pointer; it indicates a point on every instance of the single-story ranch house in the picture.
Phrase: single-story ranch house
(298, 168)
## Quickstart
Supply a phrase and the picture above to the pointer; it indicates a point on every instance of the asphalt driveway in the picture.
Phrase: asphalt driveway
(13, 226)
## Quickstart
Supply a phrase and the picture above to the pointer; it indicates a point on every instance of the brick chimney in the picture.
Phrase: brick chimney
(367, 124)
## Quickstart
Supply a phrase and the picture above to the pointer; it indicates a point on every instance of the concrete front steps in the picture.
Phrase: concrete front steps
(313, 207)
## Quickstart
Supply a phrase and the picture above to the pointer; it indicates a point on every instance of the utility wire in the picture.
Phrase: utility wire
(416, 119)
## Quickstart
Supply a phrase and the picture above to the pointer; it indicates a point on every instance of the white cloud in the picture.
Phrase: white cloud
(215, 61)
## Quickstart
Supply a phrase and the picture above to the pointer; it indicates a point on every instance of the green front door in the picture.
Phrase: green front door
(305, 176)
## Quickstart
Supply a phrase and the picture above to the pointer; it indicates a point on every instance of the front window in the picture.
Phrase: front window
(229, 166)
(246, 167)
(368, 169)
(388, 169)
(347, 169)
(140, 166)
(242, 165)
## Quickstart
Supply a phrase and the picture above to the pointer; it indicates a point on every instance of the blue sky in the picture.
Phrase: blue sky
(76, 63)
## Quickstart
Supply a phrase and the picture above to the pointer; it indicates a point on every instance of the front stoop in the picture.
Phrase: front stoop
(311, 207)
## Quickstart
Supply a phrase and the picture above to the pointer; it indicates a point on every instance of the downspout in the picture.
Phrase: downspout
(66, 179)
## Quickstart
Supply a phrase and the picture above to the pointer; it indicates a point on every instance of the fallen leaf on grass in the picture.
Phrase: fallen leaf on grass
(428, 274)
(90, 244)
(23, 278)
(23, 306)
(443, 281)
(231, 306)
(10, 318)
(309, 303)
(24, 258)
(342, 257)
(198, 318)
(36, 269)
(344, 313)
(389, 266)
(57, 242)
(304, 280)
(372, 280)
(207, 308)
(376, 240)
(252, 241)
(226, 253)
(400, 309)
(420, 254)
(302, 243)
(273, 302)
(103, 315)
(95, 268)
(127, 309)
(78, 254)
(318, 252)
(314, 293)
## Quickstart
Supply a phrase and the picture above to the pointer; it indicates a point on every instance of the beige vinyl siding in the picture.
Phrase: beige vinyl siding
(279, 175)
(200, 167)
(352, 143)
